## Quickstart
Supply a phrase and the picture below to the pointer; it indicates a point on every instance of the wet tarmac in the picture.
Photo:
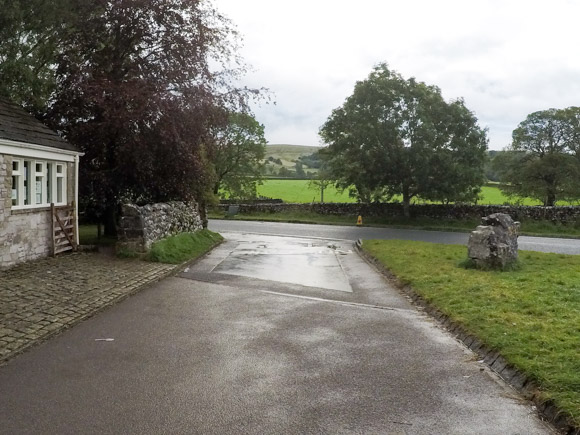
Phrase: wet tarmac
(526, 243)
(312, 263)
(263, 335)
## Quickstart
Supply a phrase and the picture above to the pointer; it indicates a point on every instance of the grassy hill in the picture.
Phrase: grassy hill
(288, 154)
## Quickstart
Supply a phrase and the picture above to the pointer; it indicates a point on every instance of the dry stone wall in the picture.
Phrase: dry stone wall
(141, 226)
(564, 215)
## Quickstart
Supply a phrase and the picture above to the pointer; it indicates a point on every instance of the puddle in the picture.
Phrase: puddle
(288, 260)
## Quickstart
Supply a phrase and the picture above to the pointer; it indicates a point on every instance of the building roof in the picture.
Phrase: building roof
(19, 126)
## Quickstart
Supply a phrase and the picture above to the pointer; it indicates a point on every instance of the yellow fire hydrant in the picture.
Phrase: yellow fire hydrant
(359, 220)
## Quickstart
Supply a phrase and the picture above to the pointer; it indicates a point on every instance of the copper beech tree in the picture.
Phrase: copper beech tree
(138, 86)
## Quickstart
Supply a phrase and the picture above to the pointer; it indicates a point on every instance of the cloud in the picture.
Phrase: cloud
(506, 59)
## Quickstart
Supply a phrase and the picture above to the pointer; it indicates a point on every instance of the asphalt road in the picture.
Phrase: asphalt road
(243, 343)
(541, 244)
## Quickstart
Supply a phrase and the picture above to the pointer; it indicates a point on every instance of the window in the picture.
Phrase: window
(60, 183)
(38, 183)
(27, 183)
(16, 177)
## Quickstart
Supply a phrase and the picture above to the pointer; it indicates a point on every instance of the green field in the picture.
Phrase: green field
(299, 191)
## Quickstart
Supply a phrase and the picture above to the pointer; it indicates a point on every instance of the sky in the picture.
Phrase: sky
(506, 58)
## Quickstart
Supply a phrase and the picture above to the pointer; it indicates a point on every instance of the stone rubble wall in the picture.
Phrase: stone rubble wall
(141, 226)
(563, 215)
(24, 234)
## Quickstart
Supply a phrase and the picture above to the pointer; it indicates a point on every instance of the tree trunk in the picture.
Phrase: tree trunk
(203, 213)
(321, 194)
(550, 199)
(406, 207)
(110, 221)
(406, 202)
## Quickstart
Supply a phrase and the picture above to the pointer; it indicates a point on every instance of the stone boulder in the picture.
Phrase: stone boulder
(494, 245)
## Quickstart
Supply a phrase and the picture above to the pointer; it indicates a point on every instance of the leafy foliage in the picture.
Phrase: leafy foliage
(312, 160)
(543, 161)
(30, 34)
(322, 181)
(239, 148)
(137, 85)
(395, 136)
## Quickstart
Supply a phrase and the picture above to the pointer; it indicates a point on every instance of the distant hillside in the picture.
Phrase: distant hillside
(284, 157)
(289, 153)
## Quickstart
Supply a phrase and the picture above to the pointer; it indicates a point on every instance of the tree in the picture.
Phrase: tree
(299, 169)
(321, 181)
(311, 160)
(543, 161)
(239, 148)
(285, 172)
(30, 35)
(400, 137)
(138, 89)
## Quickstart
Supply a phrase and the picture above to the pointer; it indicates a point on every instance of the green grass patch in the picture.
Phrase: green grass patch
(494, 196)
(183, 247)
(88, 235)
(530, 315)
(299, 191)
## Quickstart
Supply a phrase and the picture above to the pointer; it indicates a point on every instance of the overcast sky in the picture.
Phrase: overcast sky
(505, 58)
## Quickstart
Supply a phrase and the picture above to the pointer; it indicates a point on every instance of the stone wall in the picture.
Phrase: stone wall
(140, 227)
(564, 215)
(24, 234)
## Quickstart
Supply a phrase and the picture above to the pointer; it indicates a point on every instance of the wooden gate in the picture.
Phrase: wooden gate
(64, 228)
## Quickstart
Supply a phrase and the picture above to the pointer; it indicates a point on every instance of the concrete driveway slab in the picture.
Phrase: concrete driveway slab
(312, 263)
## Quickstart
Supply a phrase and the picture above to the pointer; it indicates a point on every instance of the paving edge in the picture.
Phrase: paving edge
(153, 278)
(559, 418)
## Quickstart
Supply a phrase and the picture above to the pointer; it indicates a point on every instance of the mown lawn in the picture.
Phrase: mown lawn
(299, 191)
(531, 316)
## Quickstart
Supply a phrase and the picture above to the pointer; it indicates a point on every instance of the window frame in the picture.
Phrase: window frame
(53, 184)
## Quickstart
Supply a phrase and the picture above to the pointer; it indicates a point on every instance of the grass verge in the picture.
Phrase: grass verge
(183, 247)
(530, 315)
(530, 228)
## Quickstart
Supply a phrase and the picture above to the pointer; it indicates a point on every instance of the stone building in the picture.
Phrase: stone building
(37, 169)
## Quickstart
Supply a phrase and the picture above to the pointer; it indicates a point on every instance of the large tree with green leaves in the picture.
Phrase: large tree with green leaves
(396, 136)
(30, 36)
(543, 161)
(237, 154)
(138, 85)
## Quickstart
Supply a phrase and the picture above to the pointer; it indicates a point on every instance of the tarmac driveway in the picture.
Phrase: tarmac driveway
(242, 343)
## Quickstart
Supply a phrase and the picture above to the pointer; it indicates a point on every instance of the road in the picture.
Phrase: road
(541, 244)
(266, 334)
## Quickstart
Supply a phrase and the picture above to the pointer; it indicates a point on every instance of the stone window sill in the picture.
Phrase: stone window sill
(29, 210)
